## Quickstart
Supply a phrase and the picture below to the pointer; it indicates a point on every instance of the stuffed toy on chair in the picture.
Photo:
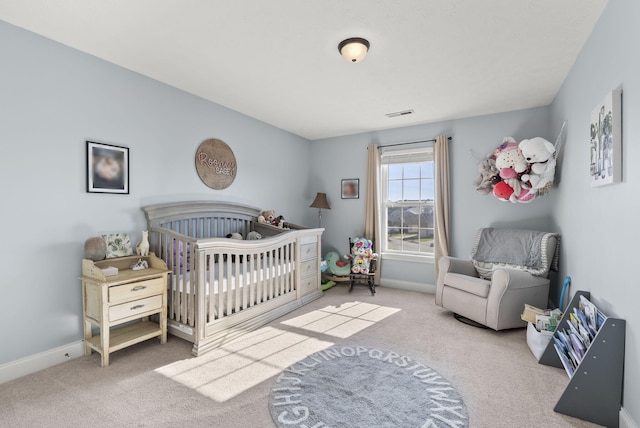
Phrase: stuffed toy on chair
(361, 255)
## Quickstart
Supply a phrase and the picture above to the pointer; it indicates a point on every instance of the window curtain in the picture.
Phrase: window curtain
(372, 229)
(442, 219)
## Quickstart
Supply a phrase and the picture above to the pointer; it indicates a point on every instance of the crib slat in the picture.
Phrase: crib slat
(288, 267)
(191, 295)
(252, 288)
(237, 284)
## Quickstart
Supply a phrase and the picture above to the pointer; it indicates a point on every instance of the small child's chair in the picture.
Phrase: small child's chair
(363, 263)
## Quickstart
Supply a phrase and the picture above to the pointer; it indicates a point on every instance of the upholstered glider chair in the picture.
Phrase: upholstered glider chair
(508, 268)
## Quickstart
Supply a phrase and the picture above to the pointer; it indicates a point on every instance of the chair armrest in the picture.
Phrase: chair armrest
(448, 264)
(510, 290)
(515, 279)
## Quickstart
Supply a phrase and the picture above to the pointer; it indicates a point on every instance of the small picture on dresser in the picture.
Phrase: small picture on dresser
(107, 168)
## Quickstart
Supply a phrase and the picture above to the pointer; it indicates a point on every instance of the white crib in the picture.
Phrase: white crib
(220, 288)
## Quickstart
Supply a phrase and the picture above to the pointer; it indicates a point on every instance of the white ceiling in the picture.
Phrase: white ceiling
(278, 61)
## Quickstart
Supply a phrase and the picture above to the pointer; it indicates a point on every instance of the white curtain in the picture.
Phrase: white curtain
(372, 229)
(442, 220)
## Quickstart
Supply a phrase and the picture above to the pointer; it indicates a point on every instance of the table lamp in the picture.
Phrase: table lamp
(320, 202)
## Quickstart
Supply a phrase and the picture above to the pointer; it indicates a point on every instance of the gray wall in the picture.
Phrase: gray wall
(599, 225)
(52, 99)
(346, 157)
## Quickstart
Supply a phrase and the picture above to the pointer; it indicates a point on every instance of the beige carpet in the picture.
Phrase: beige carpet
(157, 385)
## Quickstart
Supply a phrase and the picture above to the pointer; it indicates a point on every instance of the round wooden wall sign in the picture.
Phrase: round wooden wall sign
(216, 164)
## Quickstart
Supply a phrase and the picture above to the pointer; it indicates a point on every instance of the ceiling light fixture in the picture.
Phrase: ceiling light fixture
(354, 49)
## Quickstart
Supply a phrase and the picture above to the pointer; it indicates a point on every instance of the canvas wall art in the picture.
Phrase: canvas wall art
(606, 141)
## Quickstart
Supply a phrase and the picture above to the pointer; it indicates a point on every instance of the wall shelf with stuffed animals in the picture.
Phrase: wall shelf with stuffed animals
(519, 172)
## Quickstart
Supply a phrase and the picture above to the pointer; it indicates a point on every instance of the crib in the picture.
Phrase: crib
(220, 288)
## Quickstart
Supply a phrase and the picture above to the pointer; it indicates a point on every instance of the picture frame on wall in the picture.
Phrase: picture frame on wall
(606, 141)
(350, 188)
(107, 168)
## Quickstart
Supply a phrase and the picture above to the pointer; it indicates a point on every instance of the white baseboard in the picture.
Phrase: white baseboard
(625, 420)
(409, 286)
(34, 363)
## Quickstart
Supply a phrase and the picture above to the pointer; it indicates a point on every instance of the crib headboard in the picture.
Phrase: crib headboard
(202, 219)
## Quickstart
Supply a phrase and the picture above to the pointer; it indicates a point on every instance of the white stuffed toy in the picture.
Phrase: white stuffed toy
(142, 247)
(253, 235)
(538, 152)
(509, 157)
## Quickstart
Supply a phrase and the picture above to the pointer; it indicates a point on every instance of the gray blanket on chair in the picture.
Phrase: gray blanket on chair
(511, 246)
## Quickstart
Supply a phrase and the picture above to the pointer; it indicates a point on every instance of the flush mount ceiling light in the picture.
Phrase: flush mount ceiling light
(354, 49)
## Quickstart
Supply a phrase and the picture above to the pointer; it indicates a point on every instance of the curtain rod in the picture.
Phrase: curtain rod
(433, 140)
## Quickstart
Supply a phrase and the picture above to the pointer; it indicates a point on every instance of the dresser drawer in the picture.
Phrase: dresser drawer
(136, 307)
(310, 267)
(308, 251)
(308, 284)
(135, 290)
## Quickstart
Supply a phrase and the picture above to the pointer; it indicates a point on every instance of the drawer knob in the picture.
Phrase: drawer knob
(139, 287)
(133, 308)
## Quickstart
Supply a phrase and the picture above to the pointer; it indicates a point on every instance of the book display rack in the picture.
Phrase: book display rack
(590, 347)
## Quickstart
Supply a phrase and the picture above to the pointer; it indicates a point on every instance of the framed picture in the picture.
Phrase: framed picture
(107, 168)
(350, 188)
(606, 141)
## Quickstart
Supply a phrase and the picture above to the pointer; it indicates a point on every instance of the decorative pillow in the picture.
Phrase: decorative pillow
(118, 245)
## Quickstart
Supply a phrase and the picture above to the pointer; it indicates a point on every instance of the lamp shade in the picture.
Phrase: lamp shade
(354, 49)
(320, 202)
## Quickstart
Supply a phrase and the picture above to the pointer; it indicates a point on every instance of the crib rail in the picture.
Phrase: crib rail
(242, 275)
(231, 275)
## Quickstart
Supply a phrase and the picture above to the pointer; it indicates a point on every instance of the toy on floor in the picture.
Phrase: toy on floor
(327, 285)
(335, 266)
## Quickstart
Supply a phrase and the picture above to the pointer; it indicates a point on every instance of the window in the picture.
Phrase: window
(407, 203)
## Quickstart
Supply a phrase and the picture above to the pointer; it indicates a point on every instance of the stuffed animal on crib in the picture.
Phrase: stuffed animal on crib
(267, 216)
(361, 255)
(253, 235)
(142, 247)
(278, 222)
(234, 235)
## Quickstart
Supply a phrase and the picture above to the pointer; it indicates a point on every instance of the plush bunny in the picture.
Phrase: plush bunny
(488, 177)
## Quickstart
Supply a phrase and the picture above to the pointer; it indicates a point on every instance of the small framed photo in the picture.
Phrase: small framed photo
(350, 188)
(107, 168)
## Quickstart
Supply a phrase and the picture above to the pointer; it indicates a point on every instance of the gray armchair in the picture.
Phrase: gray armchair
(508, 268)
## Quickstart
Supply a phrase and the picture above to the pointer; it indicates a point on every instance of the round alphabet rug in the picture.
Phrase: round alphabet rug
(359, 386)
